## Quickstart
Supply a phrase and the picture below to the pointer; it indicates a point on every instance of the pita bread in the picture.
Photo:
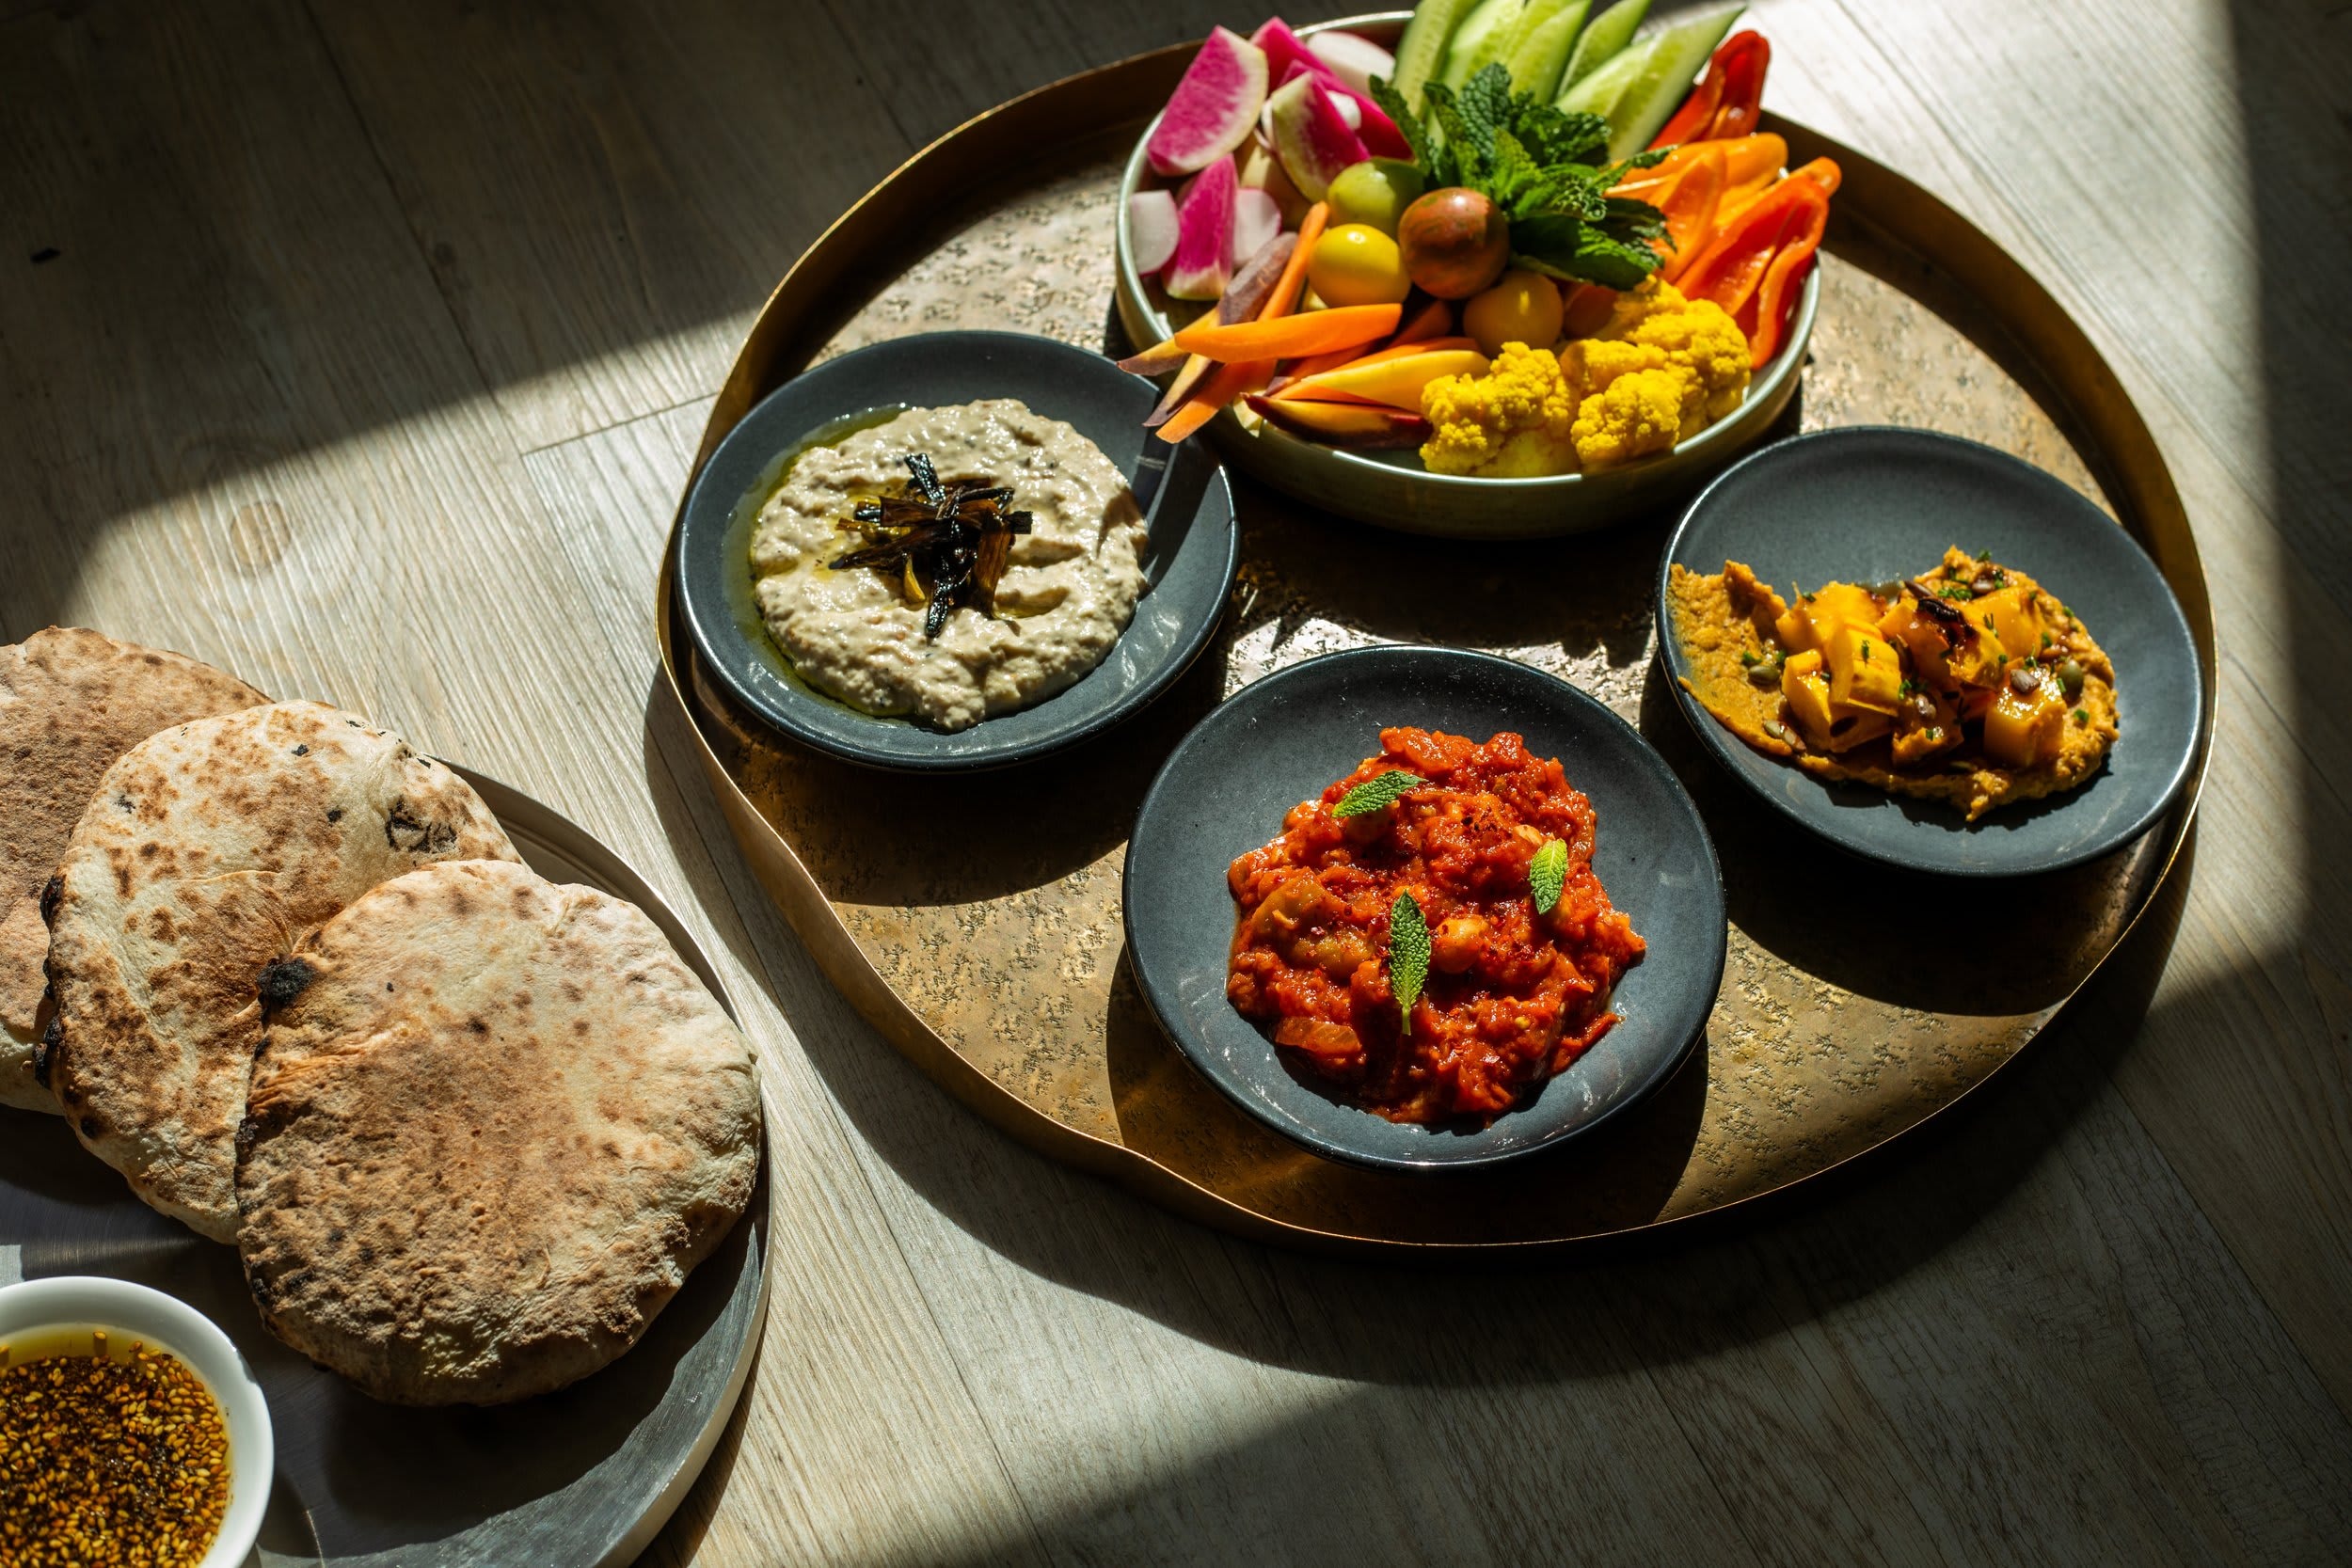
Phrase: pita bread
(207, 851)
(70, 701)
(493, 1123)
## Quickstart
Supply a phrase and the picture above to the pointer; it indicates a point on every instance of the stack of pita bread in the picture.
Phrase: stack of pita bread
(469, 1130)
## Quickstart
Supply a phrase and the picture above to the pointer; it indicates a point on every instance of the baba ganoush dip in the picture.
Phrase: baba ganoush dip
(1069, 588)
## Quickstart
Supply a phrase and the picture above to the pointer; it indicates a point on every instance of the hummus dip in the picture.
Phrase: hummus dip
(1069, 589)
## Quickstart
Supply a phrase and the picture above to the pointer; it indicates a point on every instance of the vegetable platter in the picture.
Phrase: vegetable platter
(1534, 272)
(977, 921)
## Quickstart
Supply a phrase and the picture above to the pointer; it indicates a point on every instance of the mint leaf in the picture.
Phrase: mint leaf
(1558, 137)
(1392, 104)
(1409, 953)
(1485, 106)
(1378, 793)
(1548, 873)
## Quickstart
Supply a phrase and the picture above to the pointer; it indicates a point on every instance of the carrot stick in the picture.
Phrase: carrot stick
(1238, 378)
(1296, 385)
(1230, 381)
(1316, 332)
(1284, 299)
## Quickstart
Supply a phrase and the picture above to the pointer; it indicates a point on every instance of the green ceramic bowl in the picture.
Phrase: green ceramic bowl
(1393, 490)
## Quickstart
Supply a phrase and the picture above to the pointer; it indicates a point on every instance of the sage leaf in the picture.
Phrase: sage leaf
(1378, 793)
(1547, 873)
(1408, 953)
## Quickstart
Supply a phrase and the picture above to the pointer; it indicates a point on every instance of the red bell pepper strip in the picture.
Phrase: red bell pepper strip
(1733, 263)
(1728, 99)
(1775, 297)
(1697, 112)
(1740, 62)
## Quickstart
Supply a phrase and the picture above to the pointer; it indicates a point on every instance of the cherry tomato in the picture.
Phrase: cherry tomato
(1357, 264)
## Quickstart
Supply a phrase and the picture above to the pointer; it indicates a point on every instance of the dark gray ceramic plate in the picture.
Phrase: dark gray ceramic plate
(1282, 740)
(1189, 566)
(1871, 504)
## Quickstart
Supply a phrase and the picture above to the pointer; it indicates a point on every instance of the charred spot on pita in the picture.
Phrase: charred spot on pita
(403, 830)
(51, 1040)
(281, 981)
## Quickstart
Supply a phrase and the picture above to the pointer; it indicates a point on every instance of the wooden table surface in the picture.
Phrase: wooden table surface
(361, 349)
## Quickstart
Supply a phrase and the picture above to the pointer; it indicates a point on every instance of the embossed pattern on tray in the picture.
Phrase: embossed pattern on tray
(990, 906)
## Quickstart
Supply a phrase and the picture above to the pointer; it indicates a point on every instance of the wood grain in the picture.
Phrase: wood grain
(253, 411)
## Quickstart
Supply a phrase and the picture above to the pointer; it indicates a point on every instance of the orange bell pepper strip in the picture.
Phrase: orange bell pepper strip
(1733, 262)
(1729, 100)
(1237, 379)
(1689, 201)
(1288, 336)
(1756, 160)
(1776, 298)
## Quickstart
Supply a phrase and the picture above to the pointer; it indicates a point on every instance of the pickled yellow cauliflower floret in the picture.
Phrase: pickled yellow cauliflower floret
(1700, 337)
(1659, 372)
(1513, 421)
(1601, 360)
(1641, 412)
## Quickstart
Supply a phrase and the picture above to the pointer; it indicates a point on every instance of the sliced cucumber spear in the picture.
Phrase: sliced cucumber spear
(1610, 31)
(1539, 45)
(1421, 50)
(1638, 92)
(1479, 40)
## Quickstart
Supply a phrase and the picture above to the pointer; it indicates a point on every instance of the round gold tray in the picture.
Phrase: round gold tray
(976, 921)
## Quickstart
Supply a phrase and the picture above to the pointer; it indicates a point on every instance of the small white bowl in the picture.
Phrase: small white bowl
(130, 1311)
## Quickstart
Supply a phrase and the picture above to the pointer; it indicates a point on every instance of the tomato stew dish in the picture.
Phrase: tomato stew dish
(1437, 945)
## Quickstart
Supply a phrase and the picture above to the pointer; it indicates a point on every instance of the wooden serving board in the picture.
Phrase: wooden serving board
(976, 921)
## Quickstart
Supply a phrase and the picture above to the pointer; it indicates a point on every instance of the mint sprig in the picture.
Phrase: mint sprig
(1409, 955)
(1547, 875)
(1378, 793)
(1545, 167)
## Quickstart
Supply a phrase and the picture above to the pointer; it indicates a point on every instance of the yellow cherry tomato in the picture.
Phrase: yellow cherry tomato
(1521, 307)
(1357, 264)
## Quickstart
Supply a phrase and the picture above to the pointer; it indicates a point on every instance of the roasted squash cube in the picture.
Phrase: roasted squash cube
(1840, 604)
(1864, 672)
(2022, 729)
(1806, 689)
(1795, 629)
(2010, 615)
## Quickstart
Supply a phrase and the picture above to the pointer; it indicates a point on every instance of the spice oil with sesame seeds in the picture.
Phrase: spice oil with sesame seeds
(112, 1451)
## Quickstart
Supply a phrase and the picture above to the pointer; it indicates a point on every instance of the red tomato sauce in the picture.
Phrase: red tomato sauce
(1511, 997)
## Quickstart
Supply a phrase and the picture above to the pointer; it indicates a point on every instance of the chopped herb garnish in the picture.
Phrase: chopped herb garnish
(1378, 793)
(1548, 873)
(2082, 717)
(1408, 953)
(1749, 660)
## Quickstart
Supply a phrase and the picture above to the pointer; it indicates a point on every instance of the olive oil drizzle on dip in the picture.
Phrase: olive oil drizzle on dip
(106, 1458)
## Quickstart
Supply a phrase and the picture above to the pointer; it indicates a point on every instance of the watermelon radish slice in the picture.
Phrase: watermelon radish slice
(1214, 106)
(1257, 218)
(1311, 140)
(1287, 57)
(1203, 262)
(1151, 230)
(1354, 59)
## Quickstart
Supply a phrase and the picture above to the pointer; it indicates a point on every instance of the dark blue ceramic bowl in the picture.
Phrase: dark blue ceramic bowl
(1282, 740)
(1874, 504)
(1189, 568)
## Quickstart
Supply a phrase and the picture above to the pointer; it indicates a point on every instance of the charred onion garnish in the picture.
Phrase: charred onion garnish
(940, 545)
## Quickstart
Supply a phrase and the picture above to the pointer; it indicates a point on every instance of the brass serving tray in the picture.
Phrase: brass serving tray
(976, 921)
